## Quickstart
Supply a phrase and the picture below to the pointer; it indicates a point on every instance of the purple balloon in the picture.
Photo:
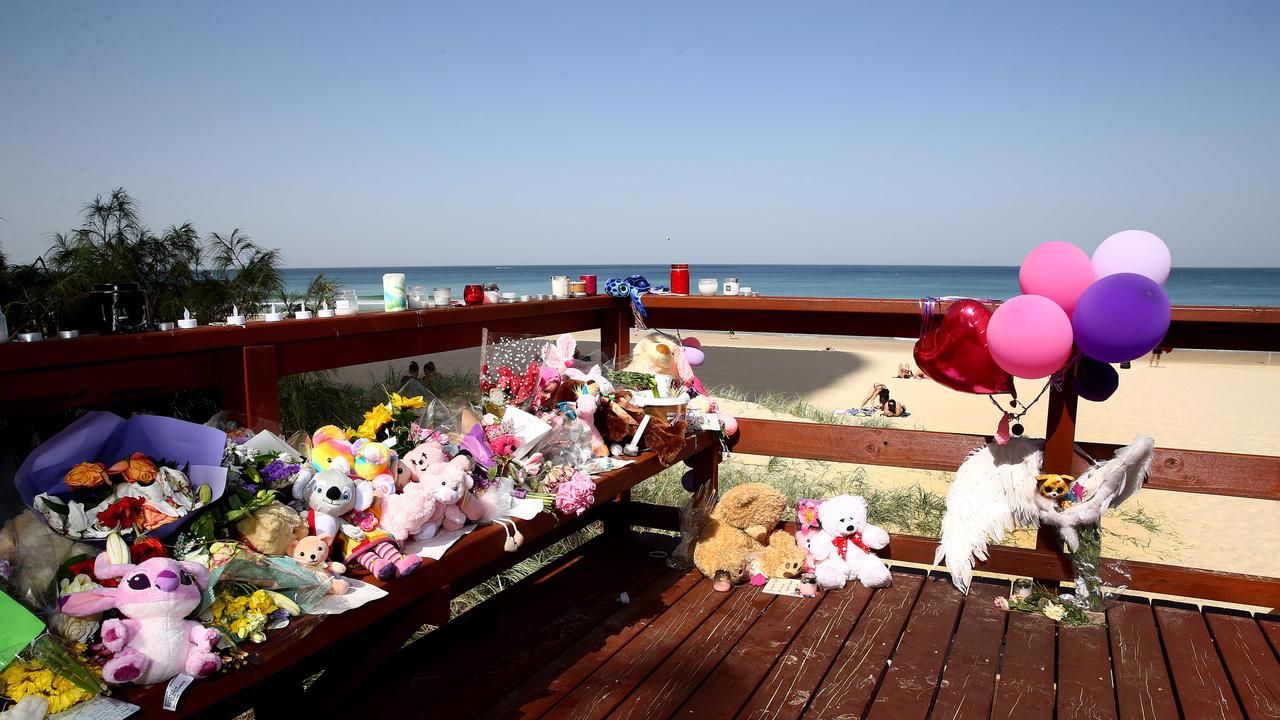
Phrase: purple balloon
(690, 481)
(1095, 381)
(1121, 317)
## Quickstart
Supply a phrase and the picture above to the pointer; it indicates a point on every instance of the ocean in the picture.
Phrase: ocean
(1186, 286)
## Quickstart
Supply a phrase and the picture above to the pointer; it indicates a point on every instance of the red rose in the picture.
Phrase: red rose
(145, 549)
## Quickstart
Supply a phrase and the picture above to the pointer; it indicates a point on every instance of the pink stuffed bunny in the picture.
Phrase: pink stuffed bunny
(154, 641)
(586, 412)
(432, 503)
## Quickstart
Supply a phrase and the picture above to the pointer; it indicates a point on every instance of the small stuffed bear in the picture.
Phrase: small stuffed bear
(312, 552)
(374, 462)
(339, 507)
(271, 529)
(843, 549)
(415, 462)
(740, 525)
(807, 528)
(782, 558)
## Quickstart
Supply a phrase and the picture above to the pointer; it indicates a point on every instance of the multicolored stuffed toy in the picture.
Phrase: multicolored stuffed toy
(154, 642)
(339, 507)
(375, 462)
(330, 450)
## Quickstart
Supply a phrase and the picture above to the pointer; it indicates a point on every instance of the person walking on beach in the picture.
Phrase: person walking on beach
(1155, 356)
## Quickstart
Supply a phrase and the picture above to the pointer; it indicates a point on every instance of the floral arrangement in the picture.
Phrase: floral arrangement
(246, 613)
(1034, 598)
(391, 420)
(63, 676)
(510, 371)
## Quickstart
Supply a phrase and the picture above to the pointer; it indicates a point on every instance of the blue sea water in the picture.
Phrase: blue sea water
(1186, 286)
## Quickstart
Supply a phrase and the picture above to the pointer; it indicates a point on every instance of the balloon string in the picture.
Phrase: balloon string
(1026, 408)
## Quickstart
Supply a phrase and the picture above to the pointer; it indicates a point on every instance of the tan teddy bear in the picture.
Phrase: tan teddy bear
(739, 526)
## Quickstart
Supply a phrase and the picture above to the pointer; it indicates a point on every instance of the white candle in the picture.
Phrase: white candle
(324, 310)
(393, 295)
(274, 315)
(560, 286)
(442, 296)
(708, 286)
(634, 446)
(731, 286)
(235, 318)
(303, 313)
(187, 322)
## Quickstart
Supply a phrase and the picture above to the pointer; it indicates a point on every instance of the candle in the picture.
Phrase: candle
(560, 286)
(347, 303)
(187, 322)
(162, 327)
(491, 297)
(68, 334)
(708, 286)
(235, 318)
(417, 297)
(745, 290)
(633, 448)
(473, 294)
(393, 295)
(578, 288)
(508, 297)
(324, 310)
(679, 279)
(303, 313)
(274, 315)
(28, 337)
(731, 286)
(590, 281)
(524, 298)
(443, 296)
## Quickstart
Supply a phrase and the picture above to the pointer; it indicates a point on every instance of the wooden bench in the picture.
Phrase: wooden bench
(677, 648)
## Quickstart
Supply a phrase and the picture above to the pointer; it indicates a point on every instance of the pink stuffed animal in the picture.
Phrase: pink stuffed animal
(415, 462)
(431, 504)
(807, 529)
(154, 641)
(586, 412)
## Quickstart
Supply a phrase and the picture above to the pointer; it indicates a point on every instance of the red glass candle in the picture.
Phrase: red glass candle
(473, 294)
(590, 280)
(679, 279)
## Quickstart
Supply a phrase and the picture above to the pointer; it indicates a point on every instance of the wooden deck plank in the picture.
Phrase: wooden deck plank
(672, 682)
(849, 685)
(1084, 674)
(969, 680)
(786, 690)
(1198, 676)
(1143, 688)
(1025, 689)
(1251, 663)
(610, 684)
(912, 680)
(742, 670)
(558, 677)
(1270, 625)
(590, 599)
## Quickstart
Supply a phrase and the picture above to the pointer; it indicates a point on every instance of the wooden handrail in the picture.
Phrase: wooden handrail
(1193, 471)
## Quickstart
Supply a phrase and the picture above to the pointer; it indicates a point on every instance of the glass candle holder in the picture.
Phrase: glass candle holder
(443, 296)
(418, 297)
(393, 292)
(560, 286)
(731, 286)
(590, 282)
(708, 286)
(345, 303)
(473, 294)
(679, 279)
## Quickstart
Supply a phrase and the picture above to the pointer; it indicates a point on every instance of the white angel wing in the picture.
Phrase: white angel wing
(993, 492)
(1106, 486)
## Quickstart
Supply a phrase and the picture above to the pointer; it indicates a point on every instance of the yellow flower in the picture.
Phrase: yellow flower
(380, 414)
(260, 602)
(1054, 611)
(350, 433)
(399, 401)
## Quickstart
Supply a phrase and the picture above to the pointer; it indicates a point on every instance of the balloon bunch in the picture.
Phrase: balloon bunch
(1111, 308)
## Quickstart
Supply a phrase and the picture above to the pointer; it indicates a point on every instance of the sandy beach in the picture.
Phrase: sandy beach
(1221, 401)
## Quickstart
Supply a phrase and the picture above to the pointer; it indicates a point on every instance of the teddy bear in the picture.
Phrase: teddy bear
(781, 558)
(843, 548)
(338, 506)
(740, 525)
(312, 552)
(433, 503)
(807, 528)
(271, 529)
(425, 454)
(374, 462)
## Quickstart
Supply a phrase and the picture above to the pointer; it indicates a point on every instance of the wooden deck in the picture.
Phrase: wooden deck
(562, 644)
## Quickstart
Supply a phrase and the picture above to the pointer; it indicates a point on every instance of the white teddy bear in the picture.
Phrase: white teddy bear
(843, 549)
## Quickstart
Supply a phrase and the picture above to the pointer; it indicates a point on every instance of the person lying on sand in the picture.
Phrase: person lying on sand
(904, 372)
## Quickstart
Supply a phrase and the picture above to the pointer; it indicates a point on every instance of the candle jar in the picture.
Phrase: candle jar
(808, 585)
(345, 303)
(590, 282)
(731, 286)
(443, 296)
(508, 297)
(473, 294)
(393, 294)
(708, 286)
(121, 308)
(417, 297)
(577, 288)
(492, 295)
(679, 279)
(560, 286)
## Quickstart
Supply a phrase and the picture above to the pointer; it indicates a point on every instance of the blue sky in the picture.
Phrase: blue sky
(923, 132)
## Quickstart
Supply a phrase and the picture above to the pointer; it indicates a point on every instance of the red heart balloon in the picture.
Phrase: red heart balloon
(955, 353)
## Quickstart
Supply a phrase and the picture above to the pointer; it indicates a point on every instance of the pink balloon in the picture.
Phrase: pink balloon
(694, 355)
(1133, 251)
(1059, 271)
(692, 342)
(1029, 336)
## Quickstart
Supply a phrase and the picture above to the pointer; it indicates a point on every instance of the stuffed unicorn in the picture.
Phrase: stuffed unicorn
(154, 641)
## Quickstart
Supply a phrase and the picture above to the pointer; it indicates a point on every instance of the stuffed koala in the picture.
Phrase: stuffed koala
(338, 507)
(312, 552)
(740, 525)
(843, 548)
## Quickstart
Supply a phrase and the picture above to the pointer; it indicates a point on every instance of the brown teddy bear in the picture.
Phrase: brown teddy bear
(269, 530)
(312, 552)
(739, 526)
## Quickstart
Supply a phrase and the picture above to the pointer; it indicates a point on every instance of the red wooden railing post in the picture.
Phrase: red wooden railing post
(251, 385)
(1059, 452)
(615, 344)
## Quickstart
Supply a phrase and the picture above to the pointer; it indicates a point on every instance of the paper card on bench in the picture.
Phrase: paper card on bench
(358, 594)
(98, 708)
(526, 508)
(435, 547)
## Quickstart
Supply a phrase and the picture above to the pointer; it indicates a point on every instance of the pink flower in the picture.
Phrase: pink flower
(575, 496)
(1002, 603)
(504, 444)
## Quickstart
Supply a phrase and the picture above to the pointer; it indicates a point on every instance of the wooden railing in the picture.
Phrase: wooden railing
(246, 363)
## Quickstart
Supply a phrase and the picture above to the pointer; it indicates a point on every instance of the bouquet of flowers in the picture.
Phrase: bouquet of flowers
(104, 473)
(510, 371)
(390, 421)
